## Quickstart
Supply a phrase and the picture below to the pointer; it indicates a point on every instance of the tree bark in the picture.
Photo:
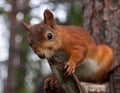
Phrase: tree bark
(101, 18)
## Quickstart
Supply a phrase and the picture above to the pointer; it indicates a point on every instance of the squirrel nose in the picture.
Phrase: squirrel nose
(42, 55)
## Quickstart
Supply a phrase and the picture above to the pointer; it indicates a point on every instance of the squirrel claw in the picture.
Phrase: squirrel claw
(70, 68)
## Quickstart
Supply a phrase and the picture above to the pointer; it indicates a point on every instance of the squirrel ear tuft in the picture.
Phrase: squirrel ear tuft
(49, 18)
(26, 26)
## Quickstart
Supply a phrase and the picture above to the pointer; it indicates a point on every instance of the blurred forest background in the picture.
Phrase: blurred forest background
(21, 71)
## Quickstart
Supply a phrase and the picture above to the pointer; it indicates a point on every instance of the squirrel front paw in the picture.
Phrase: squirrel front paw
(69, 68)
(50, 83)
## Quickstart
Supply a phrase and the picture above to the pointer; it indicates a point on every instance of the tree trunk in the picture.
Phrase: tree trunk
(102, 19)
(17, 51)
(10, 86)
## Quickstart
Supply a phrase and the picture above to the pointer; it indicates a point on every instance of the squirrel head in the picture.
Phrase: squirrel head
(43, 37)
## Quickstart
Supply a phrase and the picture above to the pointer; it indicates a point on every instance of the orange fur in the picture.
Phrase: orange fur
(47, 38)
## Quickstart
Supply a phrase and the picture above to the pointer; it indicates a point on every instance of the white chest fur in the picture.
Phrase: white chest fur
(87, 70)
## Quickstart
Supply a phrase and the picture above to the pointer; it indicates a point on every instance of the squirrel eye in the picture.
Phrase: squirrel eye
(49, 36)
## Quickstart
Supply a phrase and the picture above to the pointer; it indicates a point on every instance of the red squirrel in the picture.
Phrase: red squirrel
(89, 61)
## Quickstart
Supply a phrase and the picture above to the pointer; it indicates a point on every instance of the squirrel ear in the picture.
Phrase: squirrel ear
(26, 26)
(49, 18)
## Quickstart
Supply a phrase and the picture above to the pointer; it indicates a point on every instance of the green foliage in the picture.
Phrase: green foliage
(27, 18)
(74, 16)
(74, 13)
